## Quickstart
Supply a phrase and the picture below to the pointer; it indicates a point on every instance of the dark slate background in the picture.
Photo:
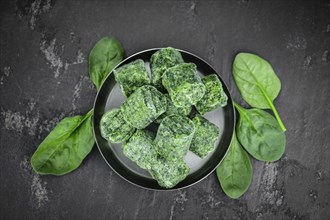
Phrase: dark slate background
(44, 77)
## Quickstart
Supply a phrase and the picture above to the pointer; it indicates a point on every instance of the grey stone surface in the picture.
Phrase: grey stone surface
(44, 77)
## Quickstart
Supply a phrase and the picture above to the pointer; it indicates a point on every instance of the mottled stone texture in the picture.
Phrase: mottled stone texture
(44, 48)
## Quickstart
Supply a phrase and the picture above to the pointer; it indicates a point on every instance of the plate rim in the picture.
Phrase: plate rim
(163, 188)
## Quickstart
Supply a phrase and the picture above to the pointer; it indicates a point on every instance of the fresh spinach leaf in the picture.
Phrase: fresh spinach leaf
(65, 147)
(235, 171)
(260, 134)
(105, 55)
(257, 82)
(72, 139)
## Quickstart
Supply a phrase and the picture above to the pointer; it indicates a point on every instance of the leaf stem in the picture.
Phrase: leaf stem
(277, 116)
(238, 107)
(90, 112)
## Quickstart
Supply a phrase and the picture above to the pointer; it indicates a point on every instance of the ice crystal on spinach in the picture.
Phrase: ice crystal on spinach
(174, 136)
(171, 109)
(114, 128)
(131, 76)
(183, 84)
(141, 149)
(205, 137)
(161, 61)
(143, 106)
(214, 96)
(169, 173)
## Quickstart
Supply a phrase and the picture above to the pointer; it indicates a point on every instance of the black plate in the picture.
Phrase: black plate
(110, 97)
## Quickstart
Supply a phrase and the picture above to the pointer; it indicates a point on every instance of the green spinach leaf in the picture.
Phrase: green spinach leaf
(257, 82)
(105, 55)
(72, 139)
(235, 171)
(260, 134)
(65, 147)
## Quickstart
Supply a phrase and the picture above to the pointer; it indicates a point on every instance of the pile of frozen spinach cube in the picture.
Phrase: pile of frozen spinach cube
(166, 99)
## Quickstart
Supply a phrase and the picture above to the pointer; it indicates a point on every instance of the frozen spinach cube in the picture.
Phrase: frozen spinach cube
(214, 96)
(169, 173)
(131, 76)
(205, 137)
(114, 128)
(143, 106)
(141, 149)
(174, 136)
(173, 110)
(183, 84)
(161, 61)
